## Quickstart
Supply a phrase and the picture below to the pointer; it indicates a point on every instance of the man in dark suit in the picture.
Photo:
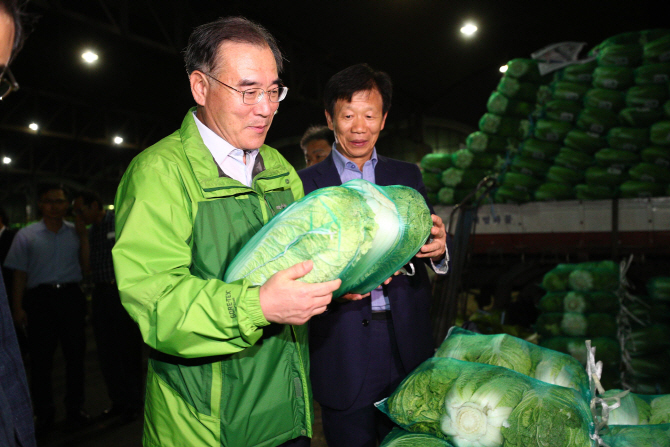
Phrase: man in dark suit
(362, 347)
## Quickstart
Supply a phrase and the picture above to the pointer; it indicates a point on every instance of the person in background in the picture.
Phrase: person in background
(116, 335)
(6, 238)
(362, 349)
(48, 301)
(229, 363)
(316, 144)
(16, 415)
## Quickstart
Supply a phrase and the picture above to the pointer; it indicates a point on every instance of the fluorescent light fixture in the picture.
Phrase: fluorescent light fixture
(33, 127)
(469, 29)
(89, 56)
(6, 160)
(503, 69)
(118, 140)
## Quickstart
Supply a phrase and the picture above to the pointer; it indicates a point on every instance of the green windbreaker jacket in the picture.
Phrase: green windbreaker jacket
(219, 373)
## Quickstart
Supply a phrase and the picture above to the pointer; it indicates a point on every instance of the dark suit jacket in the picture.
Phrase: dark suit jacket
(5, 242)
(339, 338)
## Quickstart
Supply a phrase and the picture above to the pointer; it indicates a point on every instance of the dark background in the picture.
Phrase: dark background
(138, 89)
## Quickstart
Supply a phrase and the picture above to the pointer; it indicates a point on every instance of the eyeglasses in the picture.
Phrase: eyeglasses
(255, 95)
(7, 83)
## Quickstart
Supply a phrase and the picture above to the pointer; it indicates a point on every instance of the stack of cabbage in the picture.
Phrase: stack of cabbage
(581, 303)
(491, 391)
(646, 340)
(641, 420)
(359, 232)
(449, 177)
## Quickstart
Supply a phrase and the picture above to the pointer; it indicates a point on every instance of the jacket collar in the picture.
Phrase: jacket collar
(385, 172)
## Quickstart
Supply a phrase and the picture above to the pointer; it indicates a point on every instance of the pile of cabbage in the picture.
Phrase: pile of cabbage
(493, 391)
(359, 232)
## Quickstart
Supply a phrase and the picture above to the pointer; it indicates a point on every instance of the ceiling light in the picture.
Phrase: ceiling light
(503, 69)
(469, 29)
(89, 57)
(6, 160)
(33, 127)
(110, 207)
(118, 140)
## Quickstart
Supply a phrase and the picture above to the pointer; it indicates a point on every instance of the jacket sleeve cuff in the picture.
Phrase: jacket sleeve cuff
(253, 304)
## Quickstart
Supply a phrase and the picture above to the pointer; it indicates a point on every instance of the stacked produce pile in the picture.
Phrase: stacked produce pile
(449, 177)
(582, 304)
(646, 339)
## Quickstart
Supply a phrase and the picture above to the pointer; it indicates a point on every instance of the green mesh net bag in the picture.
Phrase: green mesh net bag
(587, 142)
(657, 51)
(572, 91)
(596, 120)
(556, 279)
(541, 150)
(647, 340)
(628, 138)
(573, 159)
(501, 105)
(554, 191)
(616, 157)
(574, 324)
(650, 35)
(666, 109)
(452, 196)
(640, 116)
(638, 409)
(359, 232)
(516, 89)
(524, 70)
(562, 110)
(622, 55)
(511, 194)
(595, 192)
(652, 74)
(436, 162)
(530, 166)
(603, 98)
(659, 133)
(553, 367)
(549, 130)
(659, 288)
(608, 349)
(648, 96)
(463, 178)
(613, 78)
(482, 142)
(473, 404)
(632, 189)
(590, 276)
(499, 125)
(656, 155)
(561, 174)
(432, 181)
(579, 72)
(648, 172)
(520, 181)
(403, 438)
(637, 435)
(580, 302)
(464, 159)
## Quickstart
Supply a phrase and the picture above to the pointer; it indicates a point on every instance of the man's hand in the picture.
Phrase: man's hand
(357, 296)
(287, 301)
(436, 246)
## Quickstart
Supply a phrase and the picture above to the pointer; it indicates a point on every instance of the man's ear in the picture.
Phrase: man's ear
(199, 87)
(329, 119)
(384, 120)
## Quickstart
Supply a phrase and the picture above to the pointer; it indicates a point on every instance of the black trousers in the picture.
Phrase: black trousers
(56, 315)
(119, 345)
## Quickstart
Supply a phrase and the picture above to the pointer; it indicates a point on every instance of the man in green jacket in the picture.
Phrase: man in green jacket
(229, 362)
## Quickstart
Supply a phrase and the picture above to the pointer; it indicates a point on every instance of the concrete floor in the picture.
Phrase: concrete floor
(106, 433)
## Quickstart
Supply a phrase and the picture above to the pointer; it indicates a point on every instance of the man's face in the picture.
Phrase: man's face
(316, 151)
(87, 212)
(357, 125)
(6, 38)
(241, 66)
(53, 204)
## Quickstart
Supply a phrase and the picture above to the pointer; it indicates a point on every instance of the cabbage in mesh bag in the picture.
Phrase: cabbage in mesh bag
(608, 349)
(464, 159)
(628, 138)
(596, 120)
(659, 288)
(634, 189)
(657, 51)
(436, 162)
(656, 155)
(587, 142)
(403, 438)
(594, 192)
(576, 324)
(530, 166)
(482, 142)
(603, 98)
(541, 150)
(600, 176)
(614, 78)
(549, 130)
(501, 105)
(659, 133)
(637, 435)
(623, 55)
(359, 232)
(571, 91)
(499, 125)
(649, 96)
(516, 89)
(648, 172)
(479, 405)
(578, 72)
(554, 191)
(562, 110)
(616, 157)
(511, 194)
(640, 116)
(561, 174)
(573, 159)
(553, 367)
(590, 276)
(523, 69)
(652, 74)
(580, 302)
(432, 180)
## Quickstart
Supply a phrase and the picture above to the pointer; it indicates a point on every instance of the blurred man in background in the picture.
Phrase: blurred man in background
(316, 144)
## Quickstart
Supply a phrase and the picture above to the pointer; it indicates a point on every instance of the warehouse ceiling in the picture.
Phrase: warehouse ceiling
(138, 88)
